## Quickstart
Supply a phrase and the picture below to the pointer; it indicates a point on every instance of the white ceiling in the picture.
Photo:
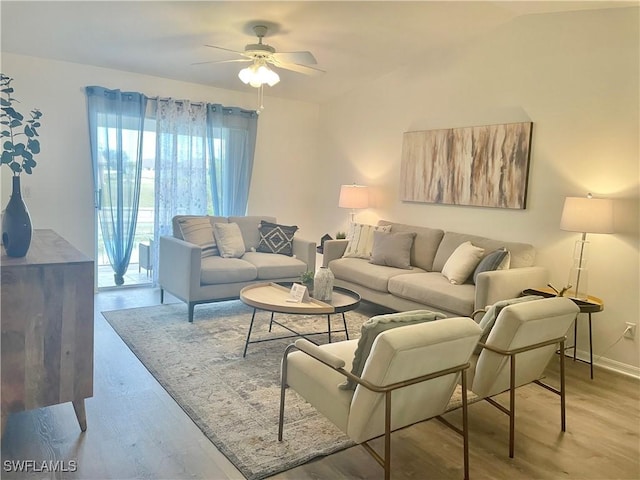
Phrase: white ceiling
(352, 41)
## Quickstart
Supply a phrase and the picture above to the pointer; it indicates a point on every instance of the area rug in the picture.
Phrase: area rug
(234, 400)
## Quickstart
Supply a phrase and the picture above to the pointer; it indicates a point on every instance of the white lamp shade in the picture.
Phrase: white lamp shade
(587, 215)
(354, 196)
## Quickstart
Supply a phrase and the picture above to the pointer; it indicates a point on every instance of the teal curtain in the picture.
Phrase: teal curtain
(231, 142)
(116, 127)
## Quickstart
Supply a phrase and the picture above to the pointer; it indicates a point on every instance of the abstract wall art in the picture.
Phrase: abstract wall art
(486, 166)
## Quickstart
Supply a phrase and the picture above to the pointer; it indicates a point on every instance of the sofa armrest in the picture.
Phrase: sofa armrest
(179, 267)
(332, 250)
(305, 250)
(504, 284)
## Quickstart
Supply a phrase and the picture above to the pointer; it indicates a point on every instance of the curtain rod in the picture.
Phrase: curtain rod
(200, 104)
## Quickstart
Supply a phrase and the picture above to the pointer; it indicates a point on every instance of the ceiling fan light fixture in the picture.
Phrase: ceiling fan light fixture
(258, 74)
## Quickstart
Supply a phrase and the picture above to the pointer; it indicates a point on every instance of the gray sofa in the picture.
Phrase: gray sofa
(194, 279)
(424, 286)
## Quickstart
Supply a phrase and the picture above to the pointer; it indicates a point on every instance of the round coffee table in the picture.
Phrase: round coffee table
(273, 297)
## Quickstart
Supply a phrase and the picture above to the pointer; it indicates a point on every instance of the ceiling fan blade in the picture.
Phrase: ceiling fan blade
(300, 58)
(226, 49)
(294, 67)
(223, 61)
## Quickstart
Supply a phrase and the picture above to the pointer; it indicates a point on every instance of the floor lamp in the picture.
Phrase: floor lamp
(353, 197)
(584, 215)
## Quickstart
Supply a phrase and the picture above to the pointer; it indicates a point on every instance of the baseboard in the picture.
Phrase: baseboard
(608, 364)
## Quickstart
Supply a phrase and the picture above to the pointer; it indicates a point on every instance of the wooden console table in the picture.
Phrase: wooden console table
(47, 327)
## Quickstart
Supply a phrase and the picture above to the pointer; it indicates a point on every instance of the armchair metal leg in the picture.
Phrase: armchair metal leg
(563, 415)
(465, 426)
(387, 435)
(512, 406)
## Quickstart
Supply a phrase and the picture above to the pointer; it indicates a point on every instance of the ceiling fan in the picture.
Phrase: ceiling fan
(260, 54)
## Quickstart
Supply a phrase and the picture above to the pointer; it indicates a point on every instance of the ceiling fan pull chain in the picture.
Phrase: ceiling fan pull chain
(261, 98)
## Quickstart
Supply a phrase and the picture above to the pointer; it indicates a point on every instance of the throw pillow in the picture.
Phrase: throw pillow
(229, 240)
(361, 240)
(198, 230)
(491, 262)
(462, 263)
(392, 249)
(489, 319)
(376, 325)
(275, 238)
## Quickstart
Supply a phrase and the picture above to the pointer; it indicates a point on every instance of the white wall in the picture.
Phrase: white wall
(59, 193)
(575, 76)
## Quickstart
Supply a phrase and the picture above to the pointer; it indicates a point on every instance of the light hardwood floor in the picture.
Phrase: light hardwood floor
(136, 430)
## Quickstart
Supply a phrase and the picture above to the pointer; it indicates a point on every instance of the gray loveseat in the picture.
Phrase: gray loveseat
(424, 286)
(194, 279)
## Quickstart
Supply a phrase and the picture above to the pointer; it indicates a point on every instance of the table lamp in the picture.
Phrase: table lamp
(353, 197)
(585, 215)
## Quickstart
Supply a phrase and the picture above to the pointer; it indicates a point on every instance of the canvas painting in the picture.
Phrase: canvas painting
(486, 166)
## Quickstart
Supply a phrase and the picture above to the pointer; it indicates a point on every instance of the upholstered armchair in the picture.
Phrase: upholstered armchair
(408, 376)
(518, 348)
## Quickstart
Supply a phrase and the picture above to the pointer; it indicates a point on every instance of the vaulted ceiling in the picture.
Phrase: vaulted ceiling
(353, 42)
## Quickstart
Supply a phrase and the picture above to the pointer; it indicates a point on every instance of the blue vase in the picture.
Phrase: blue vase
(16, 224)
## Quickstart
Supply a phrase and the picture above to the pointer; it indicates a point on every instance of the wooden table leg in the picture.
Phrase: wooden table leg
(81, 414)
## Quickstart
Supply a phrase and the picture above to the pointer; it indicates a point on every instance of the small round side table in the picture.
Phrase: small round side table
(588, 306)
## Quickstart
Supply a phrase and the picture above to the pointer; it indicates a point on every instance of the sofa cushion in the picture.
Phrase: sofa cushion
(424, 246)
(175, 222)
(276, 238)
(392, 249)
(229, 240)
(462, 262)
(496, 260)
(375, 326)
(361, 272)
(361, 240)
(273, 266)
(199, 231)
(249, 226)
(433, 289)
(522, 254)
(219, 270)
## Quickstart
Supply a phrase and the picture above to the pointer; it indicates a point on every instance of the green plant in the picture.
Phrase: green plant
(306, 278)
(18, 155)
(341, 236)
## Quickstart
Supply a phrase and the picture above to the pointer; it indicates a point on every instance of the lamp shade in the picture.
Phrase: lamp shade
(587, 215)
(354, 196)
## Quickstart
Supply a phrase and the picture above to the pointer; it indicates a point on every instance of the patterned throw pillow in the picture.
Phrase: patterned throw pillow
(361, 240)
(275, 238)
(198, 230)
(375, 326)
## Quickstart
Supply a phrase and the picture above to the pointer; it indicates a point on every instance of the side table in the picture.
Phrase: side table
(588, 306)
(145, 256)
